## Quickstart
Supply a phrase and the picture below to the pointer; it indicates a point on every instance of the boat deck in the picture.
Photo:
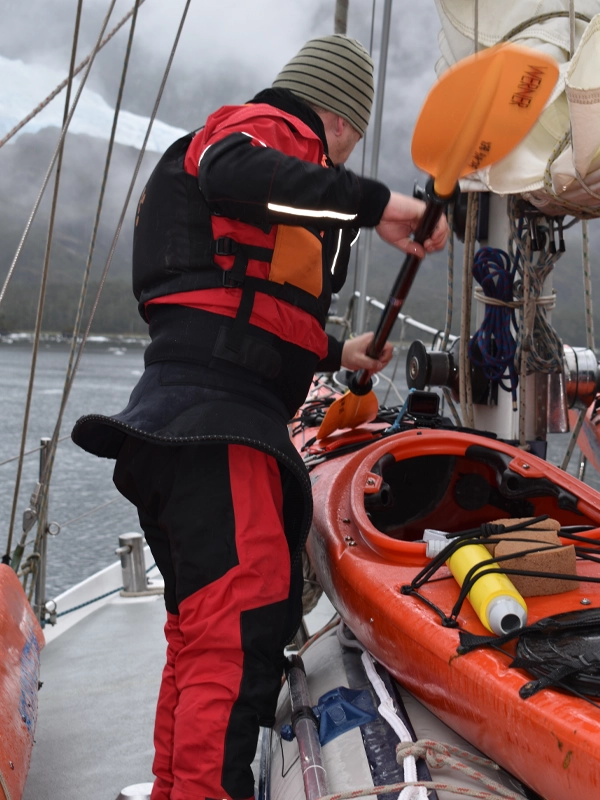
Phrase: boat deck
(96, 707)
(97, 704)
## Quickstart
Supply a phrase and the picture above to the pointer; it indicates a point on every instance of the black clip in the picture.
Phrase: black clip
(552, 245)
(225, 246)
(230, 281)
(534, 232)
(561, 240)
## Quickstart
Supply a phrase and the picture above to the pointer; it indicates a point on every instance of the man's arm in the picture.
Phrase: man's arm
(260, 185)
(246, 180)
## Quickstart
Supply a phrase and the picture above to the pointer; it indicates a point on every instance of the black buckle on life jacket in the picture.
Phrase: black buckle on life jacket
(224, 246)
(232, 281)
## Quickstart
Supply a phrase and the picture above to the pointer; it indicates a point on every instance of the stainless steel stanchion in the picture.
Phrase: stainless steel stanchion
(264, 778)
(304, 725)
(133, 566)
(39, 604)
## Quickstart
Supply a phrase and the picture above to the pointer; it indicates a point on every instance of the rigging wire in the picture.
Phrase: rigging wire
(539, 348)
(141, 154)
(361, 307)
(120, 222)
(590, 340)
(364, 157)
(70, 375)
(131, 186)
(587, 285)
(64, 83)
(466, 397)
(53, 161)
(42, 520)
(449, 310)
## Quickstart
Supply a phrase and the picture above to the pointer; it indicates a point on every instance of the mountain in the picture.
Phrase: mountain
(23, 164)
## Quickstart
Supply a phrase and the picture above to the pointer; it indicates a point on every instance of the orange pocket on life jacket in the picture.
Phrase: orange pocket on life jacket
(297, 259)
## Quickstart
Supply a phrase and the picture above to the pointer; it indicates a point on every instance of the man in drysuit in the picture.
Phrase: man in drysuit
(241, 235)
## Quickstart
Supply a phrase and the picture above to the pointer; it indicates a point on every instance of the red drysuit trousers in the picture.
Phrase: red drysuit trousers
(212, 515)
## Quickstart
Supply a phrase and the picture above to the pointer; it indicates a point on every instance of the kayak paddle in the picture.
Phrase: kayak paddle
(475, 114)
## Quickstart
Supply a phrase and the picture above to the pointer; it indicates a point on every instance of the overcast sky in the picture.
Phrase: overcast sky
(228, 51)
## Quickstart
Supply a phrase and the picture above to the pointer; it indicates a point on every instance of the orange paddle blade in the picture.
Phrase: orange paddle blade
(479, 110)
(352, 407)
(476, 113)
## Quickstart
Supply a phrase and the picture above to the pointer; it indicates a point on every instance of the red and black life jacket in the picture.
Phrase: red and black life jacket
(181, 250)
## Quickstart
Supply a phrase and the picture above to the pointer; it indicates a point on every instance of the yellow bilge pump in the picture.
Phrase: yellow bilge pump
(494, 598)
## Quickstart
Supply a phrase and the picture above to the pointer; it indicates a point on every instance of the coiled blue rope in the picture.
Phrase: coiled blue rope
(495, 273)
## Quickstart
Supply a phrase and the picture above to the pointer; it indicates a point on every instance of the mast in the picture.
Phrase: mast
(340, 24)
(363, 270)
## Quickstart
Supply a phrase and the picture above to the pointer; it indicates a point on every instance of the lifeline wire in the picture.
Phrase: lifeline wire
(30, 452)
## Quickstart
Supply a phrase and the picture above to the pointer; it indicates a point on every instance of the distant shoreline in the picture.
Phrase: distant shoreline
(26, 337)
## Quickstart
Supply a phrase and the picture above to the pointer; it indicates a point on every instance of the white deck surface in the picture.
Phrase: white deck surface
(96, 712)
(96, 707)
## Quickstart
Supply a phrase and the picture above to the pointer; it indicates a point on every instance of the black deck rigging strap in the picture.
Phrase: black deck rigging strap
(562, 651)
(484, 534)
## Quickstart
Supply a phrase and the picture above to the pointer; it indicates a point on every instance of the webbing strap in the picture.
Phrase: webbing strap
(214, 279)
(239, 329)
(225, 246)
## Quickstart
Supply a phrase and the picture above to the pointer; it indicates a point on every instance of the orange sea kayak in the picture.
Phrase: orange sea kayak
(372, 504)
(21, 640)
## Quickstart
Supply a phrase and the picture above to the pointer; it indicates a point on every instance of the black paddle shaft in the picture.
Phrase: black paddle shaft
(361, 383)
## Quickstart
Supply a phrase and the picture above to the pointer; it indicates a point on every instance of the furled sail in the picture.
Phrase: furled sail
(557, 166)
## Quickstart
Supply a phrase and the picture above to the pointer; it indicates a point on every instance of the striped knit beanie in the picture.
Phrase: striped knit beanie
(334, 73)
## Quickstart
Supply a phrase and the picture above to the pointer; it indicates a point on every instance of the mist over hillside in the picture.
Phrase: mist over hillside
(209, 70)
(23, 165)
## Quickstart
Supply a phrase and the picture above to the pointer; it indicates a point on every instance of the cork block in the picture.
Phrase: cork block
(558, 559)
(523, 537)
(562, 561)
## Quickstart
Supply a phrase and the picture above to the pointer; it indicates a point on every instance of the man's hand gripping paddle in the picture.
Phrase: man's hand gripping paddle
(476, 113)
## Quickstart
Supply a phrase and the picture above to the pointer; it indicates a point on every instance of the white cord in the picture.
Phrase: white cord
(388, 711)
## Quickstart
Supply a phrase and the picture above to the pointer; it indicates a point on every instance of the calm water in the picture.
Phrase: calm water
(81, 482)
